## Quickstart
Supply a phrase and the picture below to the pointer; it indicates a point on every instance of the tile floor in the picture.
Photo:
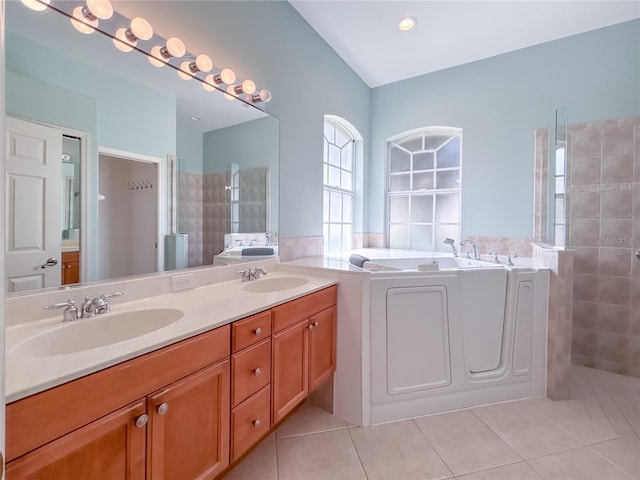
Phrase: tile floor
(594, 435)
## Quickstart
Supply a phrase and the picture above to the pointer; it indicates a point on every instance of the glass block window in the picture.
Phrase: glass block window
(423, 189)
(339, 190)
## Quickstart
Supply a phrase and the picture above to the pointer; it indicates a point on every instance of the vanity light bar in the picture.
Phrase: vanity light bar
(85, 18)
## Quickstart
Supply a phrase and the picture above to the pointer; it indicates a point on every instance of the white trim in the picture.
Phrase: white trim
(161, 194)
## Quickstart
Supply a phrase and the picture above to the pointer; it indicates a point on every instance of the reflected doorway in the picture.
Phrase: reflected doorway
(129, 221)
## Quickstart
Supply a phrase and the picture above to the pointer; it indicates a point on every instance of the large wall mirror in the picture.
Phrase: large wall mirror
(139, 154)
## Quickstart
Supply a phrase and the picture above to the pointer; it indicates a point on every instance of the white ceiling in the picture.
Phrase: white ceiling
(449, 33)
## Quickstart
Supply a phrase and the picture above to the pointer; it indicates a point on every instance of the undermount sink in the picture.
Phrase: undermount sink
(266, 285)
(100, 331)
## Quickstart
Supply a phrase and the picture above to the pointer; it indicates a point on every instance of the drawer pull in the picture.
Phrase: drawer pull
(258, 331)
(142, 420)
(257, 371)
(162, 408)
(257, 422)
(313, 325)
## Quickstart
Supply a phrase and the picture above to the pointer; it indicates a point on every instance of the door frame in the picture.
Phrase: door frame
(161, 182)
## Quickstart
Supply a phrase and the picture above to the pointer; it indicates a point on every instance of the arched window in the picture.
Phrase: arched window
(423, 188)
(339, 187)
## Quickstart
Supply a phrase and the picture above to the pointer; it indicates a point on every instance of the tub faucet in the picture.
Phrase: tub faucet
(452, 243)
(476, 249)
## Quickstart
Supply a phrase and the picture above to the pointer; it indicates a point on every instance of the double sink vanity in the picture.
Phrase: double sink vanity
(174, 385)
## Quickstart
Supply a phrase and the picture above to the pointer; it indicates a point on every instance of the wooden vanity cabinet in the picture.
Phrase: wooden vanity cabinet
(70, 268)
(111, 447)
(303, 348)
(84, 422)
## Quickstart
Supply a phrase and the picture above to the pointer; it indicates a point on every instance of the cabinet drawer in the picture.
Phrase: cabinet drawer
(250, 421)
(70, 257)
(292, 312)
(250, 330)
(250, 371)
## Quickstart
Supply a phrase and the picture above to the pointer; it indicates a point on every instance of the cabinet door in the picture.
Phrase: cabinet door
(289, 367)
(188, 433)
(322, 347)
(70, 267)
(111, 447)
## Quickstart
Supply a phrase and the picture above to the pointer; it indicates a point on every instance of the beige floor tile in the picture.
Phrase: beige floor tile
(572, 416)
(319, 456)
(525, 429)
(578, 464)
(465, 443)
(515, 471)
(622, 453)
(309, 419)
(397, 451)
(259, 464)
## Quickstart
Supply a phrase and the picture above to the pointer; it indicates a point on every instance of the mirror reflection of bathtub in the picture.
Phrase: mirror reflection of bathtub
(455, 336)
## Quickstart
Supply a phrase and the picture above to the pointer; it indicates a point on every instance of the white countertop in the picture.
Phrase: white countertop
(204, 308)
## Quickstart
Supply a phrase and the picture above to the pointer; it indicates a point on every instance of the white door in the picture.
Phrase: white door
(33, 234)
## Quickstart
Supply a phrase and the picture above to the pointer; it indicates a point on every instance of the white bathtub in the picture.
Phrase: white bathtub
(452, 334)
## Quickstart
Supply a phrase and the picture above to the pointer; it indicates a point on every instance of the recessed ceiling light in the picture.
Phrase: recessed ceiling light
(194, 118)
(407, 23)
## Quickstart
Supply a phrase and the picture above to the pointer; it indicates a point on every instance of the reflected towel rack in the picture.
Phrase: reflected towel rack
(140, 185)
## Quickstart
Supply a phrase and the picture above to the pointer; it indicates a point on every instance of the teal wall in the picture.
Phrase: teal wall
(188, 146)
(499, 102)
(269, 42)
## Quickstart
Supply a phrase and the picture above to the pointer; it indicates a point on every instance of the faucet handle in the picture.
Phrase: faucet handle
(510, 257)
(245, 274)
(70, 313)
(495, 257)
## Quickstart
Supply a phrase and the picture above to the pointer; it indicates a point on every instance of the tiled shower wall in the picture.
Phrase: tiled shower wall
(604, 231)
(190, 214)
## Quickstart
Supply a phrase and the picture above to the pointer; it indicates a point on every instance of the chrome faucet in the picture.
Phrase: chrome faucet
(248, 274)
(70, 313)
(97, 306)
(452, 243)
(476, 249)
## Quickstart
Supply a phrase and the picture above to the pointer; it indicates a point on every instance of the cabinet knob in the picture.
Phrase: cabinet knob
(257, 371)
(258, 331)
(313, 325)
(257, 422)
(162, 408)
(142, 420)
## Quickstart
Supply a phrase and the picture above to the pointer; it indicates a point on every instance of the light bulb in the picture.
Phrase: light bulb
(407, 23)
(100, 8)
(183, 73)
(265, 95)
(35, 5)
(248, 86)
(141, 28)
(155, 57)
(231, 94)
(227, 76)
(204, 63)
(121, 42)
(81, 22)
(175, 47)
(208, 83)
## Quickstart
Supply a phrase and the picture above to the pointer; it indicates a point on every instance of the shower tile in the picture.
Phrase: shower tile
(584, 342)
(585, 205)
(585, 286)
(586, 361)
(621, 368)
(615, 261)
(614, 289)
(613, 347)
(585, 170)
(614, 318)
(617, 168)
(615, 232)
(586, 259)
(584, 233)
(616, 204)
(617, 139)
(585, 141)
(585, 314)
